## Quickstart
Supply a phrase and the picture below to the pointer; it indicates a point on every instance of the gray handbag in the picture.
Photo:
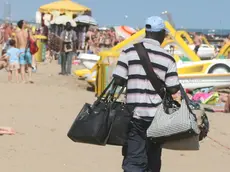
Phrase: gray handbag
(172, 121)
(180, 124)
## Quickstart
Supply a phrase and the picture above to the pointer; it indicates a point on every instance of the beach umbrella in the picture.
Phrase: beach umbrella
(64, 6)
(124, 31)
(103, 28)
(63, 20)
(86, 19)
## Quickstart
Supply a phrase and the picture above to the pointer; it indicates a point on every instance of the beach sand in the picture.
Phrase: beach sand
(42, 114)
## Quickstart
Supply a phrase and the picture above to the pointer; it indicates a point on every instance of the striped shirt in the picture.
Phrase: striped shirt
(140, 92)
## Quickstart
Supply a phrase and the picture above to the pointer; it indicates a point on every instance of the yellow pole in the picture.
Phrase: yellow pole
(177, 37)
(186, 35)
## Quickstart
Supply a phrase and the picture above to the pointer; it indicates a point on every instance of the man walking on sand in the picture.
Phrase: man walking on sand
(69, 38)
(25, 57)
(140, 153)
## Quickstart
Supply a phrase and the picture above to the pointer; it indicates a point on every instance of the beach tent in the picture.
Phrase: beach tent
(64, 6)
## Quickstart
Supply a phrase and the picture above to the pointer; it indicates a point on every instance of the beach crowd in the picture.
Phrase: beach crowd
(15, 54)
(89, 39)
(97, 39)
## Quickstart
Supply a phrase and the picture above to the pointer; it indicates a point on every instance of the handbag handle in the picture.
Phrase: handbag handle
(119, 93)
(104, 93)
(187, 100)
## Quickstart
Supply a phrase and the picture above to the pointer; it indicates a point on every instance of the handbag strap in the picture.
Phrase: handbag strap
(151, 75)
(187, 100)
(104, 92)
(119, 94)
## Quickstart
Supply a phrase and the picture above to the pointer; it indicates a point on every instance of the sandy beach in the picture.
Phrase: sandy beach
(41, 115)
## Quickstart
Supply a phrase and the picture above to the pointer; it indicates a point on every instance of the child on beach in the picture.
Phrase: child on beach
(13, 59)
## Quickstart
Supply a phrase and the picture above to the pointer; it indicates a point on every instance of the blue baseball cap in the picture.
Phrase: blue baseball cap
(155, 24)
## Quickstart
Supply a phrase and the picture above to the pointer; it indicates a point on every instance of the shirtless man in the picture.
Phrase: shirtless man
(197, 41)
(25, 57)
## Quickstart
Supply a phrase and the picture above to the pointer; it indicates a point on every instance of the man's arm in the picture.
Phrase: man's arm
(171, 79)
(120, 73)
(16, 39)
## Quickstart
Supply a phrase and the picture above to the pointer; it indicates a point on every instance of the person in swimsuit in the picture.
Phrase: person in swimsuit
(25, 57)
(198, 42)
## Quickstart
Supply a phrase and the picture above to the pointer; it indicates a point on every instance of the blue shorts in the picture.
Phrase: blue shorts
(25, 57)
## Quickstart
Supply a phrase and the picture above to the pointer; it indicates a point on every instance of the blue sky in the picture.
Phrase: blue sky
(189, 14)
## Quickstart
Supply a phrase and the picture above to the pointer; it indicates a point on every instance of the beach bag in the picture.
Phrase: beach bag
(68, 47)
(179, 124)
(191, 143)
(121, 114)
(32, 45)
(93, 124)
(171, 121)
(71, 45)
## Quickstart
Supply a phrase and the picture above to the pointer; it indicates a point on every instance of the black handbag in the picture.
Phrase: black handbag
(121, 113)
(93, 123)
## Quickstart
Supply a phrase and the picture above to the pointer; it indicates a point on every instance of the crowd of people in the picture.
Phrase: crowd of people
(97, 39)
(89, 39)
(6, 31)
(16, 56)
(69, 40)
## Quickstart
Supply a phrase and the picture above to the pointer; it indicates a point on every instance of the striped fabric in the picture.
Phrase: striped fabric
(140, 92)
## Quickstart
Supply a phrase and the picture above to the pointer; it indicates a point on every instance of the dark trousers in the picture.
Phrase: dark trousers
(140, 154)
(66, 62)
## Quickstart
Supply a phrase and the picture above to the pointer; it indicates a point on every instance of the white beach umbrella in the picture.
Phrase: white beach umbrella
(63, 20)
(47, 17)
(73, 23)
(86, 19)
(47, 23)
(103, 28)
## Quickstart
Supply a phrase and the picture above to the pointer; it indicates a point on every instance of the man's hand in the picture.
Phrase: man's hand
(119, 80)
